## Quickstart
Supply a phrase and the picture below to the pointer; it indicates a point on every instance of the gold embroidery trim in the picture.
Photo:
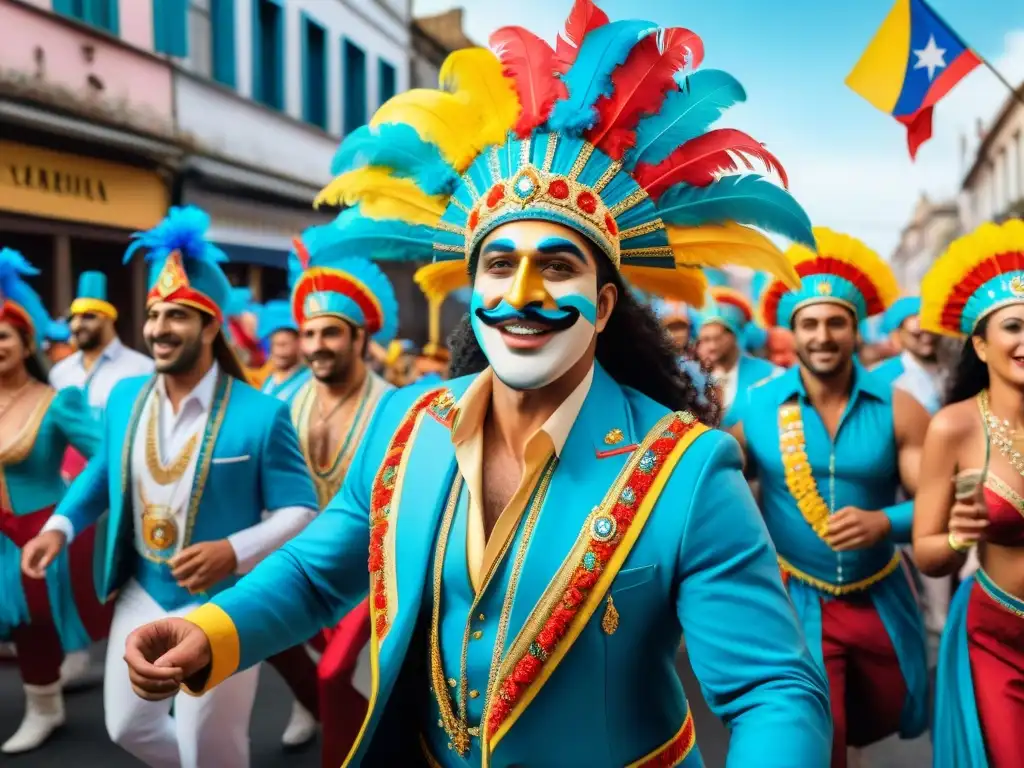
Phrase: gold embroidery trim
(549, 152)
(165, 474)
(840, 589)
(18, 449)
(797, 468)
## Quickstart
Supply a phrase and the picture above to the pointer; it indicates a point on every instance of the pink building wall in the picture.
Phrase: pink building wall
(51, 59)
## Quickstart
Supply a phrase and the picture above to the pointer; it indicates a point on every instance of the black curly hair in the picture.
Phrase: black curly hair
(633, 348)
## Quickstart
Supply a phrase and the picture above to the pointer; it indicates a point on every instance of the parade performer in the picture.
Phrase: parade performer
(916, 369)
(830, 445)
(47, 618)
(242, 319)
(99, 363)
(191, 458)
(542, 529)
(975, 291)
(679, 320)
(721, 329)
(278, 331)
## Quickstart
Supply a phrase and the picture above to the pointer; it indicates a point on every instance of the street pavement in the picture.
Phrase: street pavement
(83, 741)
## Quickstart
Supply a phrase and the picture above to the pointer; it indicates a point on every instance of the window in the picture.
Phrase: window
(97, 13)
(314, 73)
(386, 80)
(268, 53)
(354, 96)
(222, 23)
(170, 27)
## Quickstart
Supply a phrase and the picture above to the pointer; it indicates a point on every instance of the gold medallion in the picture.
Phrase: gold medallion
(159, 529)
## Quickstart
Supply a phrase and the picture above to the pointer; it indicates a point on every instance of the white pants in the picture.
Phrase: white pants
(210, 731)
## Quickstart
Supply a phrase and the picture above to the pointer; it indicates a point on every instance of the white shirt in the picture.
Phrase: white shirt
(729, 382)
(926, 387)
(115, 362)
(251, 545)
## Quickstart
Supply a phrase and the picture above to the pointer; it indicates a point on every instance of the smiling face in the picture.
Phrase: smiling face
(284, 350)
(1002, 346)
(921, 344)
(332, 348)
(89, 329)
(13, 350)
(176, 336)
(536, 308)
(825, 336)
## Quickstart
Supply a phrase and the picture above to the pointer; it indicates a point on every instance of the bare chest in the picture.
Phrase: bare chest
(501, 477)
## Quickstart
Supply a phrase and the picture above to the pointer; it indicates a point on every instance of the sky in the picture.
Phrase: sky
(847, 162)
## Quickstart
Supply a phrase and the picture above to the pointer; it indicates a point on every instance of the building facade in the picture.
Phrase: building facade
(932, 227)
(993, 188)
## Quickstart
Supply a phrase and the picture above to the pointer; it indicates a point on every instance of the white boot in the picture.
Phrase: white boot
(301, 727)
(44, 713)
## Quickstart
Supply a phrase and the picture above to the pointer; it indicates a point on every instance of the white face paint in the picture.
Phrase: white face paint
(534, 305)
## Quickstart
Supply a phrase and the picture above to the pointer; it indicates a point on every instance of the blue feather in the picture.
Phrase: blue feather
(590, 77)
(747, 199)
(686, 114)
(352, 233)
(716, 277)
(758, 283)
(13, 267)
(183, 230)
(398, 147)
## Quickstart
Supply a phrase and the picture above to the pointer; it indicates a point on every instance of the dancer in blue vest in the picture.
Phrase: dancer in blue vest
(191, 458)
(542, 529)
(971, 497)
(830, 445)
(277, 329)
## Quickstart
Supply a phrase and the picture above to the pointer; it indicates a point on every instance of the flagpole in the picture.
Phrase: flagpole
(1014, 92)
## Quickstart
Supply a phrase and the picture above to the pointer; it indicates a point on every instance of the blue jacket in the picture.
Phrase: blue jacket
(249, 461)
(695, 558)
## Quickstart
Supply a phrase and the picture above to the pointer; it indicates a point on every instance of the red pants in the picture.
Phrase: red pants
(995, 644)
(38, 643)
(299, 671)
(866, 685)
(342, 707)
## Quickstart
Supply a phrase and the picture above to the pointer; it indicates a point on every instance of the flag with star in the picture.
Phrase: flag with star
(912, 62)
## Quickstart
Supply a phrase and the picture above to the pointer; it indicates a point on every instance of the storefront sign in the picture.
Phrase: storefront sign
(54, 185)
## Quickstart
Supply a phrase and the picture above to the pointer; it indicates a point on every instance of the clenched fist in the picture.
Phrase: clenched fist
(165, 654)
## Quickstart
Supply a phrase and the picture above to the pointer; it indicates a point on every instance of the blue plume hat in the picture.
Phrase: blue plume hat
(332, 277)
(276, 315)
(19, 303)
(184, 265)
(608, 133)
(92, 296)
(900, 311)
(726, 307)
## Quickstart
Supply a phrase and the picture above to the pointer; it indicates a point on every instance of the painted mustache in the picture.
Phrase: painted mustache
(555, 319)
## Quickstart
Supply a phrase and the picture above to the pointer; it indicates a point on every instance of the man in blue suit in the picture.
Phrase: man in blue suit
(190, 460)
(542, 528)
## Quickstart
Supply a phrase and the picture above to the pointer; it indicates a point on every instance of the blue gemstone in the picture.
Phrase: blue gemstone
(647, 461)
(589, 561)
(628, 496)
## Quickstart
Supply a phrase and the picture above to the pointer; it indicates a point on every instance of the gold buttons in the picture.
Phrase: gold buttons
(481, 617)
(451, 682)
(474, 694)
(477, 635)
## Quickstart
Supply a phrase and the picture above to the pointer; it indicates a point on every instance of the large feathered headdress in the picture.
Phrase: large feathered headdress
(978, 274)
(842, 270)
(330, 277)
(19, 304)
(607, 133)
(184, 265)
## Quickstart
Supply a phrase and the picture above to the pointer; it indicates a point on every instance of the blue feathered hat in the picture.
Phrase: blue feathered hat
(669, 311)
(276, 315)
(901, 310)
(20, 305)
(333, 277)
(58, 331)
(608, 133)
(726, 307)
(240, 301)
(184, 265)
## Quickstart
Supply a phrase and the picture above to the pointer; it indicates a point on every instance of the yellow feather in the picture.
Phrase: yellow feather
(849, 249)
(720, 245)
(686, 284)
(383, 196)
(963, 256)
(476, 73)
(439, 279)
(449, 121)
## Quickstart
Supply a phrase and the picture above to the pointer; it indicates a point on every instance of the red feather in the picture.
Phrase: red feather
(300, 250)
(583, 18)
(699, 160)
(639, 87)
(530, 63)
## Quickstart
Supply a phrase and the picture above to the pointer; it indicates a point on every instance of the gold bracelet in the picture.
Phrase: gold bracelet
(956, 545)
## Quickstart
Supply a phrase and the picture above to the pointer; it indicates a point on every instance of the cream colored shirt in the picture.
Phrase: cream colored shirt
(482, 553)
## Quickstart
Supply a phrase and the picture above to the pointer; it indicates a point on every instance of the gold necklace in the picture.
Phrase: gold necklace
(1000, 434)
(165, 474)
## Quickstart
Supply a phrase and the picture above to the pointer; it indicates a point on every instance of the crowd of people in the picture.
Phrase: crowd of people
(487, 552)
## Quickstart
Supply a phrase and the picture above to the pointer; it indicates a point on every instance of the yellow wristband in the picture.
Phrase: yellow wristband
(956, 545)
